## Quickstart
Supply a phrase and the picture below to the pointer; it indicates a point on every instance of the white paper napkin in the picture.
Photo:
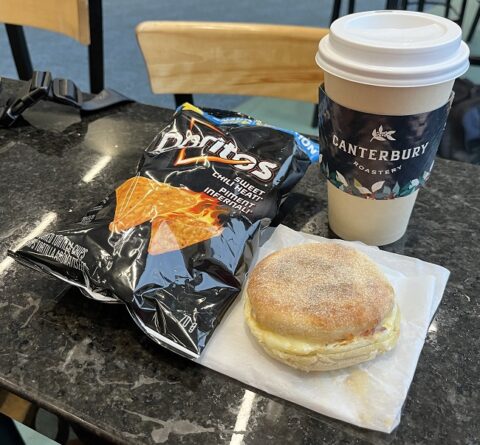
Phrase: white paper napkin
(369, 395)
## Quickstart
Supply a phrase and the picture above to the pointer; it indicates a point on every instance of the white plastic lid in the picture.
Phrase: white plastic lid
(394, 49)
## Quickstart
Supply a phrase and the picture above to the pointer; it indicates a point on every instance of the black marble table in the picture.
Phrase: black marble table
(88, 362)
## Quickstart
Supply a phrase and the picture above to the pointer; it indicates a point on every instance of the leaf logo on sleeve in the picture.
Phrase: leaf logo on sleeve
(382, 135)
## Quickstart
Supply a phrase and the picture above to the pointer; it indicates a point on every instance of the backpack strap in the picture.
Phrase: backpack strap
(63, 91)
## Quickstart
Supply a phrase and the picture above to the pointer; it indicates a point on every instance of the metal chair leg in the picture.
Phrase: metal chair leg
(462, 13)
(95, 49)
(447, 8)
(20, 53)
(335, 15)
(475, 60)
(182, 98)
(393, 4)
(315, 116)
(62, 431)
(351, 6)
(335, 10)
(474, 25)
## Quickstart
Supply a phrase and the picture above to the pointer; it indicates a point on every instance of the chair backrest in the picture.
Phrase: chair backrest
(232, 58)
(68, 17)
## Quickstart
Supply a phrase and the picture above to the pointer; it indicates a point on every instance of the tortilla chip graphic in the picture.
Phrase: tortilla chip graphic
(180, 217)
(178, 232)
(141, 199)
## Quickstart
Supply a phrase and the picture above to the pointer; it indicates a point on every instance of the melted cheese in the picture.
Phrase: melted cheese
(382, 339)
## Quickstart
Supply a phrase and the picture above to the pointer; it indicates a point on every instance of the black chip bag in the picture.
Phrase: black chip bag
(174, 242)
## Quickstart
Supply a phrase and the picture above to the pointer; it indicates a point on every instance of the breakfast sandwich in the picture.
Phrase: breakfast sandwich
(321, 306)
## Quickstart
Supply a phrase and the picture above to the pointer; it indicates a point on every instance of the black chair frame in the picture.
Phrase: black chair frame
(21, 55)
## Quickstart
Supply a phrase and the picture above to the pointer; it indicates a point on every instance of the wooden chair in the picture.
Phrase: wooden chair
(78, 19)
(231, 58)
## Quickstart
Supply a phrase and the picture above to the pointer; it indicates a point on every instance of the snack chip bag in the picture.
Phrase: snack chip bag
(174, 242)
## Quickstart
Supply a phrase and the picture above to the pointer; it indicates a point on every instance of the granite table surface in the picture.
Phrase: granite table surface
(88, 362)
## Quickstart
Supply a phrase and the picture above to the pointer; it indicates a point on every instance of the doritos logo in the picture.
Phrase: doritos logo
(213, 149)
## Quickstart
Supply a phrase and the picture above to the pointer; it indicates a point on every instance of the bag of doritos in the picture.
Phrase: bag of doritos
(174, 242)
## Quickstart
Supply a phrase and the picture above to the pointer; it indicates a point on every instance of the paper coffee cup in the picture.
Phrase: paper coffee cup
(395, 68)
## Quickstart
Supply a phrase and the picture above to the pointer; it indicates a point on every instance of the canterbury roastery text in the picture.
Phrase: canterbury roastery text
(378, 155)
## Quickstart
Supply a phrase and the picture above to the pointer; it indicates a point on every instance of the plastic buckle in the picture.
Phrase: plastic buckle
(41, 80)
(37, 90)
(65, 91)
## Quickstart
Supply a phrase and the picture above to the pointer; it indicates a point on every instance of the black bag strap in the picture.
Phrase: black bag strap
(106, 98)
(64, 91)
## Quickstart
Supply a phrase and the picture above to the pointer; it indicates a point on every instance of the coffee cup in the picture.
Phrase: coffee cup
(388, 78)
